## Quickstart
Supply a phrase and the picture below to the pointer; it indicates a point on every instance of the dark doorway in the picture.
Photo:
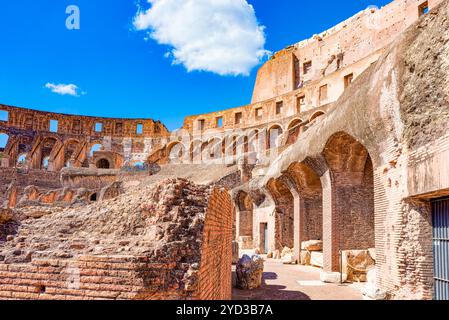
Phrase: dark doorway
(103, 164)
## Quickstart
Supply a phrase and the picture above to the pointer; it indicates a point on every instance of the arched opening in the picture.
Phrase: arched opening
(253, 141)
(308, 205)
(69, 151)
(47, 147)
(213, 150)
(294, 129)
(103, 164)
(283, 214)
(96, 147)
(315, 116)
(245, 220)
(21, 160)
(348, 205)
(196, 151)
(253, 146)
(273, 136)
(45, 163)
(93, 197)
(175, 152)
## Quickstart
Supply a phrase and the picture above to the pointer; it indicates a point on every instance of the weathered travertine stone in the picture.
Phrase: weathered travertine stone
(249, 272)
(286, 251)
(312, 245)
(287, 256)
(356, 263)
(305, 258)
(332, 277)
(316, 259)
(371, 291)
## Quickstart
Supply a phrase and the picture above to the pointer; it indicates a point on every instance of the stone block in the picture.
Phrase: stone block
(305, 258)
(332, 277)
(286, 252)
(249, 272)
(316, 259)
(356, 264)
(312, 245)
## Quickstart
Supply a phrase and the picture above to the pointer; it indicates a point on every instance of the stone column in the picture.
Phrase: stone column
(330, 224)
(298, 218)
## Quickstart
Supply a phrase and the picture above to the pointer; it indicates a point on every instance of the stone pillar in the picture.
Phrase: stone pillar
(298, 218)
(330, 224)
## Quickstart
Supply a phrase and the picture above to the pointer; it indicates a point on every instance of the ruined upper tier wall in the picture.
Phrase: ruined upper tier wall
(340, 47)
(39, 121)
(44, 140)
(338, 56)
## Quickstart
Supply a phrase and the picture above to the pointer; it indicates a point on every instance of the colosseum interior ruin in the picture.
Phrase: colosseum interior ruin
(341, 157)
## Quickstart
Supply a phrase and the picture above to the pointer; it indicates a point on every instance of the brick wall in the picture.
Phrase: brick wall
(23, 178)
(196, 267)
(313, 219)
(216, 258)
(87, 278)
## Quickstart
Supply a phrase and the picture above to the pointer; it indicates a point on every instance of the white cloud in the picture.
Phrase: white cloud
(64, 89)
(220, 36)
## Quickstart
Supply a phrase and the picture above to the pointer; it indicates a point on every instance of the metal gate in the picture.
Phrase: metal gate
(440, 219)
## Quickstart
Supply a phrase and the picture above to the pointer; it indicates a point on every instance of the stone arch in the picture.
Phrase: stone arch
(230, 145)
(95, 146)
(93, 197)
(308, 204)
(70, 147)
(21, 160)
(273, 134)
(348, 198)
(294, 129)
(103, 163)
(253, 140)
(214, 149)
(175, 152)
(46, 149)
(283, 214)
(316, 115)
(196, 150)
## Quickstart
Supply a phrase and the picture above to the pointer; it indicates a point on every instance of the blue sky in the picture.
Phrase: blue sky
(119, 74)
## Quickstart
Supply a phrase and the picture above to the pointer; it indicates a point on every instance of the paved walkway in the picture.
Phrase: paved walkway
(294, 282)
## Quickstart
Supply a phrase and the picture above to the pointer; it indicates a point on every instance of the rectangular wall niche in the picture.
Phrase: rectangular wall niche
(3, 115)
(279, 107)
(238, 118)
(259, 113)
(53, 125)
(323, 93)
